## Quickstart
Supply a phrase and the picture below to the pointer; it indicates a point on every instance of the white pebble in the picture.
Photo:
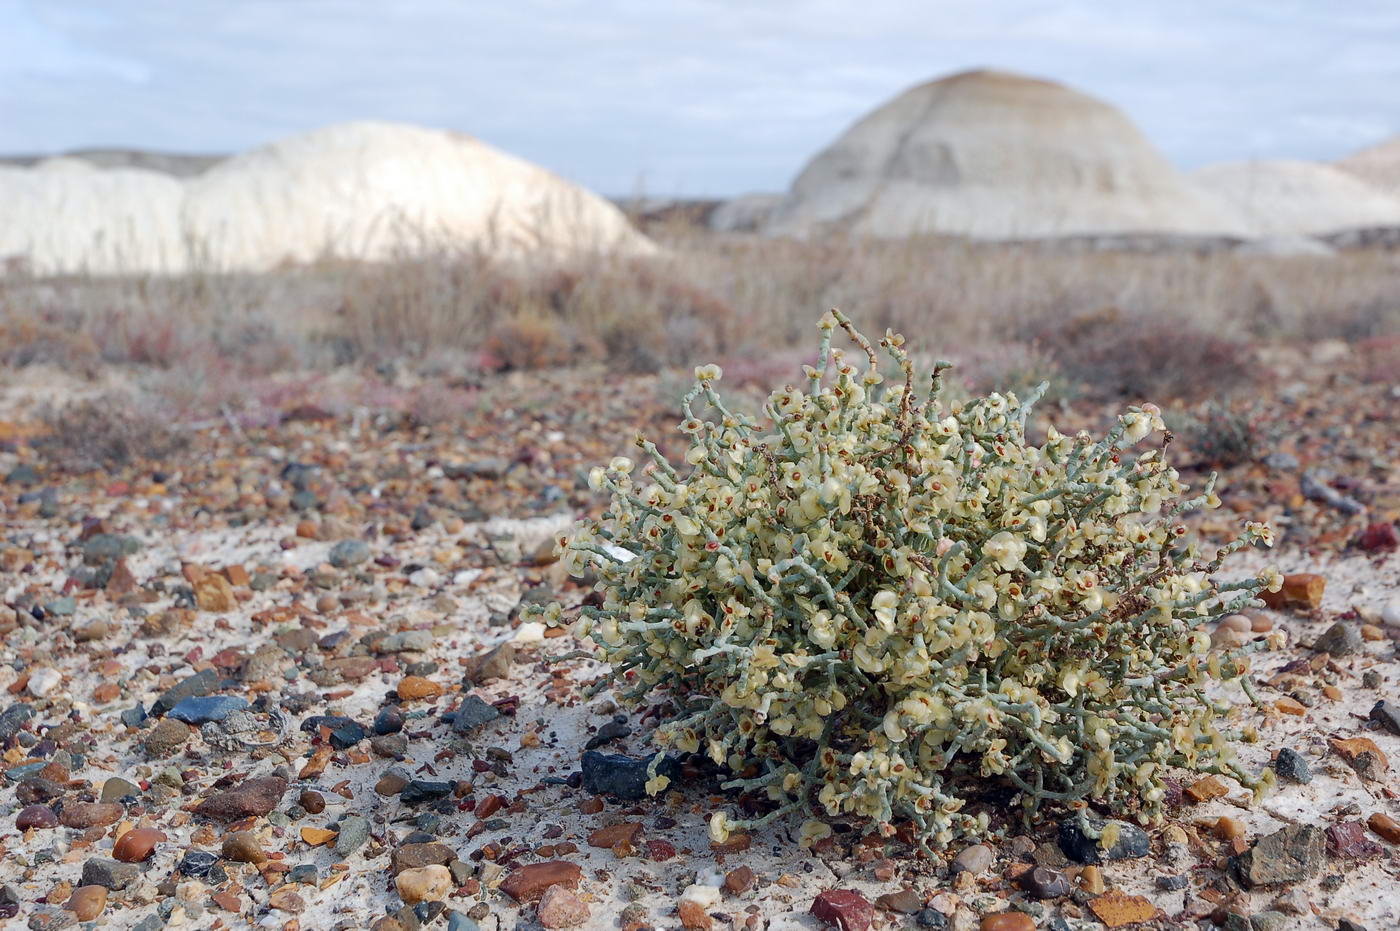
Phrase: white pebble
(425, 577)
(1390, 614)
(529, 632)
(701, 894)
(44, 681)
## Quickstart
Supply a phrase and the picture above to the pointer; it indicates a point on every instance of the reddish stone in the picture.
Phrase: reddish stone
(660, 850)
(693, 916)
(137, 845)
(845, 909)
(1348, 840)
(1302, 591)
(615, 834)
(1380, 537)
(739, 880)
(251, 799)
(489, 805)
(560, 908)
(36, 816)
(527, 883)
(90, 814)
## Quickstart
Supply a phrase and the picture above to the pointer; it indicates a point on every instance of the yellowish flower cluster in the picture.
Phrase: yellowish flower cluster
(874, 605)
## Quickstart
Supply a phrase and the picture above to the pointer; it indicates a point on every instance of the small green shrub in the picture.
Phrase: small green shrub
(873, 606)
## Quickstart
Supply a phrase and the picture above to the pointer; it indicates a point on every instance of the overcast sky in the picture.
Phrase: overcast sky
(696, 97)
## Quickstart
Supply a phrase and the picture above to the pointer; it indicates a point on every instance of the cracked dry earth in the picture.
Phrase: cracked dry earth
(280, 680)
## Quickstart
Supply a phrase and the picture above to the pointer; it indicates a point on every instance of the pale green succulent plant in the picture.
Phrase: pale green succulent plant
(871, 604)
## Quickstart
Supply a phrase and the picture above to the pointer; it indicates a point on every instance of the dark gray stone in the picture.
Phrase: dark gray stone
(623, 776)
(201, 683)
(111, 874)
(472, 714)
(1081, 848)
(354, 831)
(1292, 854)
(13, 719)
(1341, 639)
(1387, 715)
(1292, 766)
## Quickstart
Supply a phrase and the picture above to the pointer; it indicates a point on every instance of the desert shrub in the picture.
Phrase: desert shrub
(1114, 356)
(105, 433)
(871, 604)
(1226, 436)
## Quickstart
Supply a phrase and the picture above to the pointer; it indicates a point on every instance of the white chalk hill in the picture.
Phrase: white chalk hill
(1283, 197)
(996, 155)
(362, 190)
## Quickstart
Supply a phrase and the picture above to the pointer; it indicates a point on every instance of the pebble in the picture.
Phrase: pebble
(1385, 826)
(424, 884)
(559, 907)
(1292, 854)
(739, 880)
(166, 738)
(116, 788)
(1132, 842)
(418, 791)
(412, 856)
(414, 687)
(1390, 614)
(1008, 921)
(348, 553)
(390, 720)
(36, 817)
(623, 776)
(1227, 828)
(243, 847)
(43, 681)
(201, 683)
(110, 874)
(493, 664)
(1045, 883)
(472, 714)
(196, 864)
(1387, 715)
(252, 798)
(137, 845)
(354, 831)
(844, 909)
(311, 800)
(87, 902)
(974, 859)
(1341, 639)
(90, 814)
(199, 710)
(527, 883)
(1292, 766)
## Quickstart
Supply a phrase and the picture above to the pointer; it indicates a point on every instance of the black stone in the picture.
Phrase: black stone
(1172, 883)
(1292, 766)
(1045, 883)
(196, 863)
(471, 715)
(421, 790)
(346, 736)
(390, 720)
(931, 918)
(614, 730)
(13, 718)
(623, 776)
(1081, 848)
(134, 717)
(333, 721)
(1387, 715)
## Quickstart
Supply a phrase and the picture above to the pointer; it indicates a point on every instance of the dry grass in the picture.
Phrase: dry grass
(1109, 324)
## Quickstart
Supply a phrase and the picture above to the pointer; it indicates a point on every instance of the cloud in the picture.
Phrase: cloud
(689, 96)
